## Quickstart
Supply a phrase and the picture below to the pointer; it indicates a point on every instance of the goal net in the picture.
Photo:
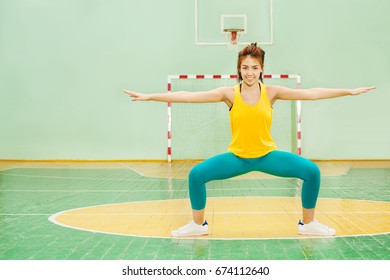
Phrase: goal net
(199, 131)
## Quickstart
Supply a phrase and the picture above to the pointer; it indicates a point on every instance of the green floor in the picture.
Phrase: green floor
(29, 196)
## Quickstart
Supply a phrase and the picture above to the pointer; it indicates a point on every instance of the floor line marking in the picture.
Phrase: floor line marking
(186, 190)
(220, 213)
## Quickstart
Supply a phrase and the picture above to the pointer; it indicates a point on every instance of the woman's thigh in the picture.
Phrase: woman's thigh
(285, 164)
(219, 167)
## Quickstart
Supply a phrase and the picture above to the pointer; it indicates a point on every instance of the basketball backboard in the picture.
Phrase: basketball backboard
(212, 17)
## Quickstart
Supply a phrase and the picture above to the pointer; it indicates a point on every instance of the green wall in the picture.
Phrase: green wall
(63, 64)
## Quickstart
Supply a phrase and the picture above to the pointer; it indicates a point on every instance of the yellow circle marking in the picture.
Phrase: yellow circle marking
(229, 217)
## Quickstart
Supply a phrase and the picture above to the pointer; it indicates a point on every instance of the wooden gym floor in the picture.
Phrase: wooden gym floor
(126, 210)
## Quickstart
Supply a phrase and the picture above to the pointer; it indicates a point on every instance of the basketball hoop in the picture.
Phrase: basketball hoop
(233, 35)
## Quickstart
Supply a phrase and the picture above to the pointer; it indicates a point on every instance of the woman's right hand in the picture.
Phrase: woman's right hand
(136, 96)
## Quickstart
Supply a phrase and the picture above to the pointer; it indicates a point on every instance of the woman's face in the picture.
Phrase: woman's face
(250, 70)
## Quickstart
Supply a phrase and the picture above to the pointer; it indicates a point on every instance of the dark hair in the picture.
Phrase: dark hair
(250, 50)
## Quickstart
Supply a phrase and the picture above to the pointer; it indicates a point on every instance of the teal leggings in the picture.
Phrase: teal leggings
(278, 163)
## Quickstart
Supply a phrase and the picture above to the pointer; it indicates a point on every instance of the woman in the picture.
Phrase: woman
(252, 147)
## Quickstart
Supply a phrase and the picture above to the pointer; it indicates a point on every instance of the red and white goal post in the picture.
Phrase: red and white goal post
(298, 106)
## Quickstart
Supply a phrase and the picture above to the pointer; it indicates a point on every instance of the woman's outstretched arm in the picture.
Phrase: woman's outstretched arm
(215, 95)
(284, 93)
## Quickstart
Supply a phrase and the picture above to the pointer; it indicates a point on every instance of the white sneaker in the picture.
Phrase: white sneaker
(315, 228)
(191, 229)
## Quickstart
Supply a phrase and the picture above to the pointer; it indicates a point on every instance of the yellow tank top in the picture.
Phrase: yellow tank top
(251, 126)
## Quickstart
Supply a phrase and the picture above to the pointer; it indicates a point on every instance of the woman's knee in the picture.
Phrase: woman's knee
(195, 173)
(313, 172)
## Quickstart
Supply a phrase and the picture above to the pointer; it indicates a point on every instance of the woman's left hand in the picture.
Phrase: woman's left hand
(358, 91)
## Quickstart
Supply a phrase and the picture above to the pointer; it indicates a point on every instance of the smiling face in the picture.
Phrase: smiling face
(250, 64)
(250, 70)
